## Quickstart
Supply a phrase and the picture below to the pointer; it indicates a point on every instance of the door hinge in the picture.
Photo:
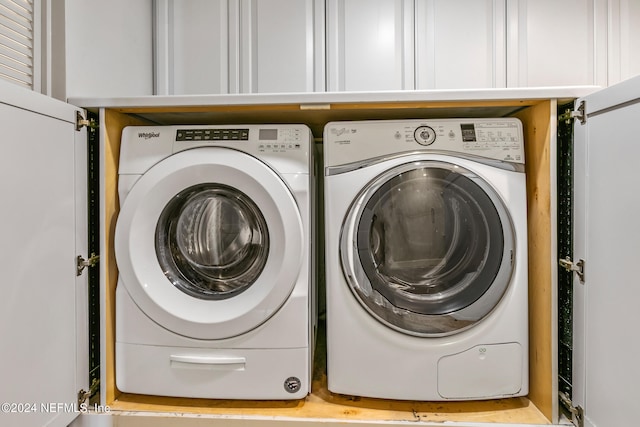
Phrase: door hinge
(81, 263)
(577, 413)
(82, 122)
(578, 113)
(83, 394)
(577, 266)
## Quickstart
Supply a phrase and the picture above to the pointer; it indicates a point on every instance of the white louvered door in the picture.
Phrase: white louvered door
(20, 42)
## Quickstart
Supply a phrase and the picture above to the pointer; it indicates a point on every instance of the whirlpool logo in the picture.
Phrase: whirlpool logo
(341, 131)
(148, 135)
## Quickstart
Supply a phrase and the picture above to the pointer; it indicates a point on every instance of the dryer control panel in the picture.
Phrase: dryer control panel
(498, 139)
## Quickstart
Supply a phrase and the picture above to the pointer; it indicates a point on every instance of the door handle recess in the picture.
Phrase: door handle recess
(226, 363)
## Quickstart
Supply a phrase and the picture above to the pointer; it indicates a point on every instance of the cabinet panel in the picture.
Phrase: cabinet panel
(552, 43)
(282, 46)
(44, 361)
(102, 48)
(370, 45)
(197, 47)
(460, 50)
(606, 233)
(624, 40)
(239, 46)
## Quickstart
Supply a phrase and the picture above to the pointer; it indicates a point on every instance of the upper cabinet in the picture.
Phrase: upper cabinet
(370, 45)
(239, 46)
(624, 40)
(192, 47)
(460, 44)
(98, 48)
(164, 47)
(556, 43)
(281, 46)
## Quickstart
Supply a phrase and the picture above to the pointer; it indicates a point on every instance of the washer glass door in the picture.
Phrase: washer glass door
(212, 241)
(428, 248)
(209, 243)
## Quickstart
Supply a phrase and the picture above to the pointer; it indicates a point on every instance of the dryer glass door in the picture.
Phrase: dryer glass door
(434, 248)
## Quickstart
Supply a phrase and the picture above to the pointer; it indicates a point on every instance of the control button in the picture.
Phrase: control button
(424, 135)
(212, 135)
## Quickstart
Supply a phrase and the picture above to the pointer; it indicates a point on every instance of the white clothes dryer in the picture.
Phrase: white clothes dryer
(215, 293)
(426, 259)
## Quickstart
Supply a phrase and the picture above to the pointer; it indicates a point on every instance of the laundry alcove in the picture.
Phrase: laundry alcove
(537, 111)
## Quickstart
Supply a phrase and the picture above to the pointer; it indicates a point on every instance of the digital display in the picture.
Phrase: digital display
(268, 134)
(468, 132)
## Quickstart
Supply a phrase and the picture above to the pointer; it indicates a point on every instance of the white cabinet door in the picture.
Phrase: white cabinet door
(457, 50)
(43, 323)
(193, 50)
(239, 46)
(556, 43)
(607, 237)
(282, 46)
(624, 40)
(100, 48)
(370, 45)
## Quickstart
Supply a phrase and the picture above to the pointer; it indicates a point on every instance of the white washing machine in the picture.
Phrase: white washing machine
(426, 259)
(215, 293)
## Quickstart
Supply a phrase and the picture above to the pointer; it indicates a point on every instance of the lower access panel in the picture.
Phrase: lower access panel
(484, 370)
(197, 372)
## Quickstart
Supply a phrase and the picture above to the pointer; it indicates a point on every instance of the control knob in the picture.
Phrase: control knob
(424, 135)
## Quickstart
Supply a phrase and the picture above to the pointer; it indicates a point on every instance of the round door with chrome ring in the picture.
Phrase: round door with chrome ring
(427, 248)
(209, 243)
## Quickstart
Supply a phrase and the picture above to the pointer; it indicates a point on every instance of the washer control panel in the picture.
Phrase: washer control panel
(268, 139)
(212, 135)
(279, 140)
(287, 148)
